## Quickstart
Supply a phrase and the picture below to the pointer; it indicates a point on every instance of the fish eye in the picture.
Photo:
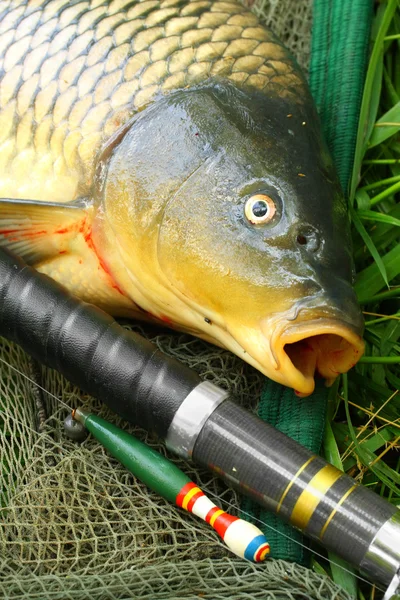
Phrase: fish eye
(259, 209)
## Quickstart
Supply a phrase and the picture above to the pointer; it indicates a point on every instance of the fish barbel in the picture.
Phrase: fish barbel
(163, 160)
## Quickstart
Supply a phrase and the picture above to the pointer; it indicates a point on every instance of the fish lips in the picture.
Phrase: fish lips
(314, 342)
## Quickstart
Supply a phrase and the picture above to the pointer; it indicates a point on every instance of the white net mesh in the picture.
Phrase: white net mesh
(291, 20)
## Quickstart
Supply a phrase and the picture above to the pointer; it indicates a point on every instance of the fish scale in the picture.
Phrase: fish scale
(72, 74)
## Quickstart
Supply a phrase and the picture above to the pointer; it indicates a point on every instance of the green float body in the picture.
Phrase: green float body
(167, 480)
(158, 473)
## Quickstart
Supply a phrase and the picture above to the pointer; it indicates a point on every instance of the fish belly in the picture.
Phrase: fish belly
(71, 74)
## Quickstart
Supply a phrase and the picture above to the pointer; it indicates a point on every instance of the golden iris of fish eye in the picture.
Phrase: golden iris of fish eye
(263, 219)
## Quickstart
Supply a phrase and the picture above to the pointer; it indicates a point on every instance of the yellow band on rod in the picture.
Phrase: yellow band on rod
(312, 495)
(333, 513)
(292, 482)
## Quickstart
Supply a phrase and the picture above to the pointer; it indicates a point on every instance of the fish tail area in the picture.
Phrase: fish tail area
(38, 231)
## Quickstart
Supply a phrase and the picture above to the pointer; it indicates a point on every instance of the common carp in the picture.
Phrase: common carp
(163, 160)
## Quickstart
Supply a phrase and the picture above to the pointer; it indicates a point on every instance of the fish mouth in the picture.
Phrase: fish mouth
(322, 347)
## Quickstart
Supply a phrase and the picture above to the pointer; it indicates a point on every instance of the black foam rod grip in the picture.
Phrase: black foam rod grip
(90, 348)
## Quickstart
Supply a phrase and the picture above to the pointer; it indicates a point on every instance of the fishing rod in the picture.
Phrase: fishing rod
(78, 433)
(197, 420)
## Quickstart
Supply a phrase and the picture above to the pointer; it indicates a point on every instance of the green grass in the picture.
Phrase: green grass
(363, 434)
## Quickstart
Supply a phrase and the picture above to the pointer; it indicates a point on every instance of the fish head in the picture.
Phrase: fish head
(232, 202)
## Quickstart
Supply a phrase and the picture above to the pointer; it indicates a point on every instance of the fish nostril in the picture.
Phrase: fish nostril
(310, 239)
(302, 240)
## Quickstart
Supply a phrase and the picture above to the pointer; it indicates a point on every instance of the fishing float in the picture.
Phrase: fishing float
(199, 421)
(166, 479)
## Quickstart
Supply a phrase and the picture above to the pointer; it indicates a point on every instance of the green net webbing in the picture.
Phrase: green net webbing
(338, 63)
(74, 524)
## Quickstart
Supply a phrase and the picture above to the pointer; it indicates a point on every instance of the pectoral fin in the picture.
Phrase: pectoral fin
(38, 231)
(58, 240)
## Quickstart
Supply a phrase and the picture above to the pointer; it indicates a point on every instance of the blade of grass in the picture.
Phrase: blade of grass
(372, 215)
(370, 245)
(370, 387)
(394, 381)
(369, 280)
(363, 200)
(385, 194)
(391, 90)
(381, 320)
(396, 69)
(390, 336)
(390, 496)
(392, 293)
(386, 126)
(377, 184)
(331, 450)
(382, 229)
(382, 161)
(383, 360)
(345, 577)
(373, 83)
